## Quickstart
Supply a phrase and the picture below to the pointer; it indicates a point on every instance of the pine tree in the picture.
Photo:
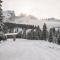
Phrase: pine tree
(58, 40)
(5, 28)
(24, 33)
(58, 31)
(1, 17)
(53, 30)
(31, 34)
(1, 23)
(38, 33)
(44, 32)
(50, 36)
(54, 34)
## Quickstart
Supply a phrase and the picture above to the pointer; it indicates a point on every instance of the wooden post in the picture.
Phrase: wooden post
(14, 37)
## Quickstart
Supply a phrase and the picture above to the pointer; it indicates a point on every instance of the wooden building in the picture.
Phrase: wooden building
(14, 28)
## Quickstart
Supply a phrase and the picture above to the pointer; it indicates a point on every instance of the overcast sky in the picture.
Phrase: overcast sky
(38, 8)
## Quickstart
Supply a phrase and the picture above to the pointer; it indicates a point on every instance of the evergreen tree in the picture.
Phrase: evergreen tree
(58, 31)
(44, 32)
(1, 18)
(5, 29)
(58, 40)
(50, 36)
(1, 23)
(54, 35)
(31, 34)
(53, 30)
(24, 33)
(38, 33)
(34, 35)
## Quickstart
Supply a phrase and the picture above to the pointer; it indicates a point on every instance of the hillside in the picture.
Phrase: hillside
(30, 20)
(34, 21)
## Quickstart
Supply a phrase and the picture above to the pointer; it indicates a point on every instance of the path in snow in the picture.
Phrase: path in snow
(27, 50)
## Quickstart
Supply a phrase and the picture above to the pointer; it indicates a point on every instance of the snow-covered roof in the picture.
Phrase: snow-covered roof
(11, 33)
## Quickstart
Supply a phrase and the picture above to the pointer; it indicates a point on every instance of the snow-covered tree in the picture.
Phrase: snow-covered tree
(44, 32)
(50, 36)
(38, 33)
(31, 34)
(24, 33)
(1, 17)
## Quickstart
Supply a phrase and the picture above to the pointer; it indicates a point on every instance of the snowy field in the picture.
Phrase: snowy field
(23, 49)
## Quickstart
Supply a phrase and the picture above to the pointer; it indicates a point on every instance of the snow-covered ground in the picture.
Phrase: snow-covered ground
(23, 49)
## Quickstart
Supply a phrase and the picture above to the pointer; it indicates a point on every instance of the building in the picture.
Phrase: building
(14, 28)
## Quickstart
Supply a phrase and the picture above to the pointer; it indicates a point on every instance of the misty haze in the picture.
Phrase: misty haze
(29, 29)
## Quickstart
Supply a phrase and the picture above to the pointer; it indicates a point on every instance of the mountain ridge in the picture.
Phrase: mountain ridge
(31, 20)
